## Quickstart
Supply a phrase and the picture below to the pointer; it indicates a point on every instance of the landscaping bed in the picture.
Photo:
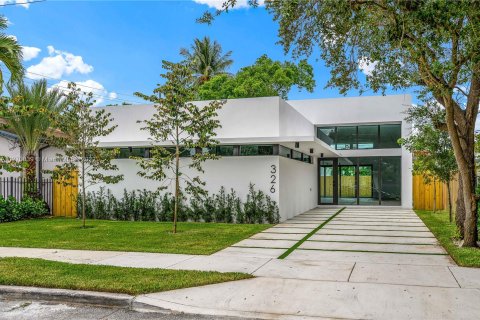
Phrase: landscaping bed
(64, 233)
(60, 275)
(446, 233)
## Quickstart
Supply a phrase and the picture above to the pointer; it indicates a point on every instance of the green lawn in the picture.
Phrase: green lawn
(63, 233)
(446, 232)
(51, 274)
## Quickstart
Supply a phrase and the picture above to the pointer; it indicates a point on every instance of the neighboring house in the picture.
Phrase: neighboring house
(302, 153)
(9, 148)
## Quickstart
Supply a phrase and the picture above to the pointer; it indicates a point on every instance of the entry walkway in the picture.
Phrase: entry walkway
(360, 263)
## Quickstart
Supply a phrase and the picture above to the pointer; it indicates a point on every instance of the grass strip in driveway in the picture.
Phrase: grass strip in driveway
(61, 275)
(446, 234)
(64, 233)
(299, 243)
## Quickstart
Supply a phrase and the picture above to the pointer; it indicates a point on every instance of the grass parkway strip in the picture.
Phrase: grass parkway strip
(299, 243)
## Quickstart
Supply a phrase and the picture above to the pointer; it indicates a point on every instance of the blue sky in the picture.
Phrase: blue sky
(117, 47)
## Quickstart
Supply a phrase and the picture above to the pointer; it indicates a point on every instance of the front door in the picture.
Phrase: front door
(344, 181)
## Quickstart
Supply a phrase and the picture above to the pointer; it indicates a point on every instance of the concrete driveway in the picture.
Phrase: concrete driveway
(361, 263)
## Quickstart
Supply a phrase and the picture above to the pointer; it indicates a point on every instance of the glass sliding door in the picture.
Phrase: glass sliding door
(368, 181)
(347, 181)
(363, 181)
(326, 183)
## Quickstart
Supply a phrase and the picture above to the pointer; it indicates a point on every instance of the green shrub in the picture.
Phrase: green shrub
(11, 210)
(144, 205)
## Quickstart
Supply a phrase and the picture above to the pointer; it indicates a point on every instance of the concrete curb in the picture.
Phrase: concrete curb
(69, 296)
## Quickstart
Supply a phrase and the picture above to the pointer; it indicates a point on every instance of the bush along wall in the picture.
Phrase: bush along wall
(12, 210)
(144, 205)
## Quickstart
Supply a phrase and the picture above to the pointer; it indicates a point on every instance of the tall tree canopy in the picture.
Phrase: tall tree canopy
(263, 79)
(206, 58)
(430, 45)
(10, 53)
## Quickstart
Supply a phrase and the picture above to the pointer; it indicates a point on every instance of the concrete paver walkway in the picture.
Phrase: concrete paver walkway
(371, 263)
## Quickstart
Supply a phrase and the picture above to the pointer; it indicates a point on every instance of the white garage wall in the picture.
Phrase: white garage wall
(298, 187)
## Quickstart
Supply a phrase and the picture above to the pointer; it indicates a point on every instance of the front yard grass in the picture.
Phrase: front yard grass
(446, 233)
(60, 275)
(64, 233)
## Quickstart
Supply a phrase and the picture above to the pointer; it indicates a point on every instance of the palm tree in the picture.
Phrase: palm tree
(207, 59)
(10, 53)
(30, 117)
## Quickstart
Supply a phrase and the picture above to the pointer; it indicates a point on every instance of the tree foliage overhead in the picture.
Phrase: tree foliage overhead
(265, 78)
(10, 53)
(431, 45)
(206, 58)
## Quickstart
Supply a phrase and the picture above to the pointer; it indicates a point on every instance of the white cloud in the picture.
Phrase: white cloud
(366, 65)
(97, 89)
(22, 3)
(217, 4)
(30, 53)
(57, 64)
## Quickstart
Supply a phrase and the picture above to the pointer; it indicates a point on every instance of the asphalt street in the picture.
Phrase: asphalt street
(24, 309)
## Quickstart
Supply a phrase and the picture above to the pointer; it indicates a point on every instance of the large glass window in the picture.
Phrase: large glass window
(256, 150)
(367, 137)
(389, 135)
(391, 176)
(327, 134)
(126, 153)
(361, 137)
(284, 152)
(346, 138)
(225, 151)
(296, 155)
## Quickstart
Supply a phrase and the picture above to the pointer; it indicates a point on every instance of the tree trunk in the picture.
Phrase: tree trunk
(461, 131)
(84, 216)
(460, 209)
(30, 175)
(177, 188)
(449, 201)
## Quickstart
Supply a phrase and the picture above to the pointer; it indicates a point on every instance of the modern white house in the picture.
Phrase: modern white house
(303, 153)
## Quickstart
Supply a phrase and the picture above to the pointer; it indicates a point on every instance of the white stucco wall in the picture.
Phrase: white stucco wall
(298, 187)
(9, 149)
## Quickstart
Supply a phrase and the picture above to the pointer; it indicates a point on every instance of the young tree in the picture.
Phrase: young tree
(206, 59)
(430, 45)
(83, 125)
(177, 126)
(432, 148)
(265, 78)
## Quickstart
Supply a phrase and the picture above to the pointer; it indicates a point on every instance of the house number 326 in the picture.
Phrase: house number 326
(273, 177)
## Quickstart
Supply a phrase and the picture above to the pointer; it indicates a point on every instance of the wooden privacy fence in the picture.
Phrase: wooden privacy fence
(65, 197)
(60, 198)
(424, 194)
